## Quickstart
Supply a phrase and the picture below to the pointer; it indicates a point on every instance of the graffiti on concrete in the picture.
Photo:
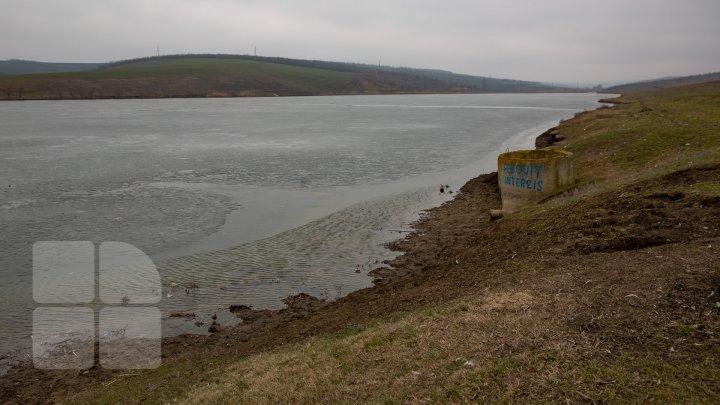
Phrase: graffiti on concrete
(523, 176)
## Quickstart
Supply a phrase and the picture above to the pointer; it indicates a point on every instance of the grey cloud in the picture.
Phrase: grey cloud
(550, 40)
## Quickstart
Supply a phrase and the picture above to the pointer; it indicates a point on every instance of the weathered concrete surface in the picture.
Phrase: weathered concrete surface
(528, 176)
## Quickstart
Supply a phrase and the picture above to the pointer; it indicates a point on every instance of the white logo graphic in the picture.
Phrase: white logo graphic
(127, 333)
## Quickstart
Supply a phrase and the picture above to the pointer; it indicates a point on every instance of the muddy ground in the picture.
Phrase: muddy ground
(616, 268)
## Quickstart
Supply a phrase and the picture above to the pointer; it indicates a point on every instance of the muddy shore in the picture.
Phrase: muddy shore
(628, 273)
(402, 285)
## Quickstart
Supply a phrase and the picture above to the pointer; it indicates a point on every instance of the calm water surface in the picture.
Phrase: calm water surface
(249, 199)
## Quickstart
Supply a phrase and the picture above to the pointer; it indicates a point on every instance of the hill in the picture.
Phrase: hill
(663, 83)
(244, 76)
(21, 67)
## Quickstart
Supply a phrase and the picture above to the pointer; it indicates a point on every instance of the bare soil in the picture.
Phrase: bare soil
(589, 254)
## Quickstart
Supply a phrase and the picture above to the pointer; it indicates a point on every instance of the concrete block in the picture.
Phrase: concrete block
(528, 176)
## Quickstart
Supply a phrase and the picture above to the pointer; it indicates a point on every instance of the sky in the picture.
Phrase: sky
(561, 41)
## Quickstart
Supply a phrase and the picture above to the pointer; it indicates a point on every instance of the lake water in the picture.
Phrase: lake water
(249, 199)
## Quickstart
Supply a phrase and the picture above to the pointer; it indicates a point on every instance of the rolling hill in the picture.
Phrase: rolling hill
(663, 83)
(19, 67)
(245, 76)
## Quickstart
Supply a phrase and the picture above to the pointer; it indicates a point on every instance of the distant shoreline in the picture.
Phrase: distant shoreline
(273, 95)
(241, 96)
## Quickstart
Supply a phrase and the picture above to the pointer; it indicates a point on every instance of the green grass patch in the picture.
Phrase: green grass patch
(683, 331)
(709, 188)
(659, 133)
(347, 332)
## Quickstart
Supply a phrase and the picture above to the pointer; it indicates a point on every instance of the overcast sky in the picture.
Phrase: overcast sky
(542, 40)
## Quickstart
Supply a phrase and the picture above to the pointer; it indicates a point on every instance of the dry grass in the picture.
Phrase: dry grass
(610, 295)
(646, 135)
(599, 327)
(535, 342)
(440, 353)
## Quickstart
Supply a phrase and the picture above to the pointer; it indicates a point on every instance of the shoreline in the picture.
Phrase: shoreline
(259, 324)
(596, 295)
(299, 303)
(410, 93)
(175, 304)
(266, 96)
(276, 327)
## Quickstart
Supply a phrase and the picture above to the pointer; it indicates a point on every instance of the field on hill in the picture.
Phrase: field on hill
(206, 77)
(245, 76)
(609, 293)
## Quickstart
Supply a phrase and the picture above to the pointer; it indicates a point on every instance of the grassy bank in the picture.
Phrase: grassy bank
(606, 294)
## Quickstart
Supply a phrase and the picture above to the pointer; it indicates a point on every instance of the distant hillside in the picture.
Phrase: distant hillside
(21, 67)
(663, 83)
(479, 83)
(487, 84)
(246, 76)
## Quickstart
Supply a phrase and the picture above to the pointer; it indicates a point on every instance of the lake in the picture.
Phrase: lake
(250, 199)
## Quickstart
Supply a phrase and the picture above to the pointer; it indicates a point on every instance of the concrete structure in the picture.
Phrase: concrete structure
(529, 176)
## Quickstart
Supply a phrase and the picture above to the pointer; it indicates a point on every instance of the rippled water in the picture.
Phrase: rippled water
(249, 199)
